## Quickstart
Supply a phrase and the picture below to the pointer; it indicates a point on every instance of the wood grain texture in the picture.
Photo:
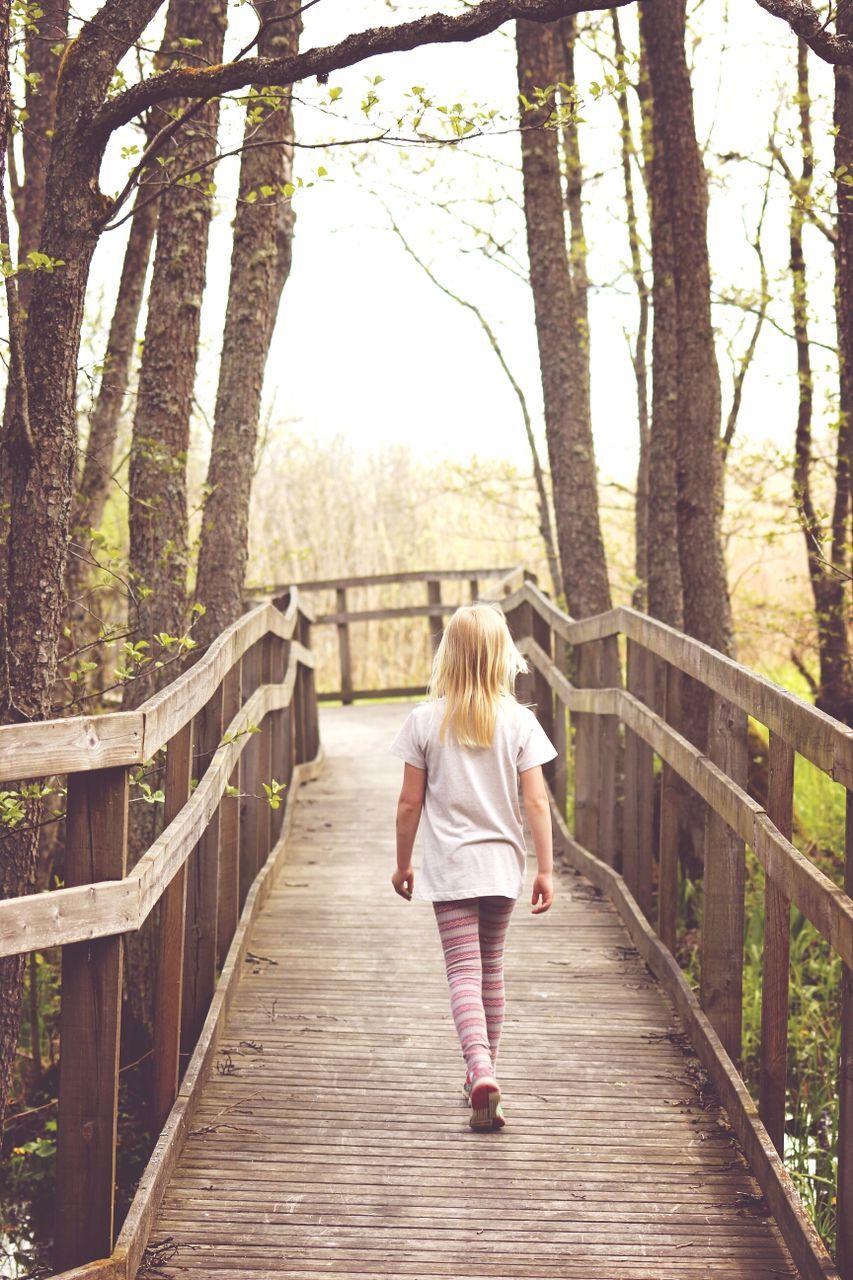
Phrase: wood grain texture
(250, 776)
(82, 743)
(344, 652)
(637, 804)
(95, 849)
(169, 981)
(65, 746)
(202, 876)
(170, 709)
(813, 733)
(721, 989)
(331, 1137)
(97, 910)
(228, 906)
(776, 956)
(669, 809)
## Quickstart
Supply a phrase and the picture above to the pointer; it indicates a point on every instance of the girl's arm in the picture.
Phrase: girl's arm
(538, 810)
(409, 807)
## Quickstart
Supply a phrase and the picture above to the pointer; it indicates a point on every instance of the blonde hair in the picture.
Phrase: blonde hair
(474, 668)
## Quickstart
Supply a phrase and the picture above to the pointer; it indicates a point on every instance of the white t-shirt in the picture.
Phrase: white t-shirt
(473, 842)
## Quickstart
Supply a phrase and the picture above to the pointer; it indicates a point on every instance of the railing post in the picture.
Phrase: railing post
(168, 988)
(609, 677)
(669, 815)
(586, 750)
(520, 623)
(595, 743)
(279, 734)
(228, 910)
(311, 742)
(344, 648)
(436, 626)
(265, 758)
(202, 887)
(95, 849)
(543, 694)
(473, 589)
(721, 983)
(560, 783)
(776, 957)
(638, 799)
(844, 1198)
(251, 783)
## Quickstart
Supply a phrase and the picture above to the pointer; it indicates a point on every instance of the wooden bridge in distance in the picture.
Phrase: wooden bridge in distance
(305, 1066)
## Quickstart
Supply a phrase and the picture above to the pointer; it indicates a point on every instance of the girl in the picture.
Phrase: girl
(465, 752)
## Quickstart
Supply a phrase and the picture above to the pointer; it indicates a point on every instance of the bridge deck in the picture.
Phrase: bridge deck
(311, 1155)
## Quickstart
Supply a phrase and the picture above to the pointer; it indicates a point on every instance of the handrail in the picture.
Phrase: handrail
(821, 901)
(434, 610)
(818, 737)
(243, 717)
(261, 670)
(105, 908)
(82, 743)
(412, 575)
(598, 702)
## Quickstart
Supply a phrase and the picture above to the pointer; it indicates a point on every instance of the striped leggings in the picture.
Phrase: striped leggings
(472, 933)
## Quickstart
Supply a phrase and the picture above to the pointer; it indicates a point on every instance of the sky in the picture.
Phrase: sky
(366, 345)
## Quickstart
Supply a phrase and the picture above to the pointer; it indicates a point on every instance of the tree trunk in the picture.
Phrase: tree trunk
(260, 264)
(29, 188)
(93, 488)
(11, 967)
(570, 446)
(50, 33)
(680, 207)
(158, 489)
(639, 595)
(833, 690)
(39, 443)
(158, 457)
(94, 483)
(664, 591)
(578, 335)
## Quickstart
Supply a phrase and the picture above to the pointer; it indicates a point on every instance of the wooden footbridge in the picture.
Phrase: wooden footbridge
(306, 1077)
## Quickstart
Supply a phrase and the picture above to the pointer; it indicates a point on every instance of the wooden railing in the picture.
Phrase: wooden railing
(434, 609)
(604, 718)
(243, 716)
(660, 658)
(217, 855)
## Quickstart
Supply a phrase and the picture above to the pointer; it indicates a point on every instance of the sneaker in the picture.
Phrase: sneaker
(486, 1111)
(467, 1087)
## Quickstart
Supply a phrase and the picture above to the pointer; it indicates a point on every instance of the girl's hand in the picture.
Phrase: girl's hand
(403, 882)
(543, 893)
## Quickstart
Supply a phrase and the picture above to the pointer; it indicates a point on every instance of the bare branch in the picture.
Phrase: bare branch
(436, 28)
(805, 22)
(545, 528)
(763, 302)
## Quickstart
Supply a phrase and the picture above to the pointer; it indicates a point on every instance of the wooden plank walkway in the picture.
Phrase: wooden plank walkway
(311, 1157)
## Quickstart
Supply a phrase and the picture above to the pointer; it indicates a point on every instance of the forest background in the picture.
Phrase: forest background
(410, 368)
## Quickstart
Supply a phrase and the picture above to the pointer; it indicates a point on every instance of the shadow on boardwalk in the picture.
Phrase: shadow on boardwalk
(331, 1138)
